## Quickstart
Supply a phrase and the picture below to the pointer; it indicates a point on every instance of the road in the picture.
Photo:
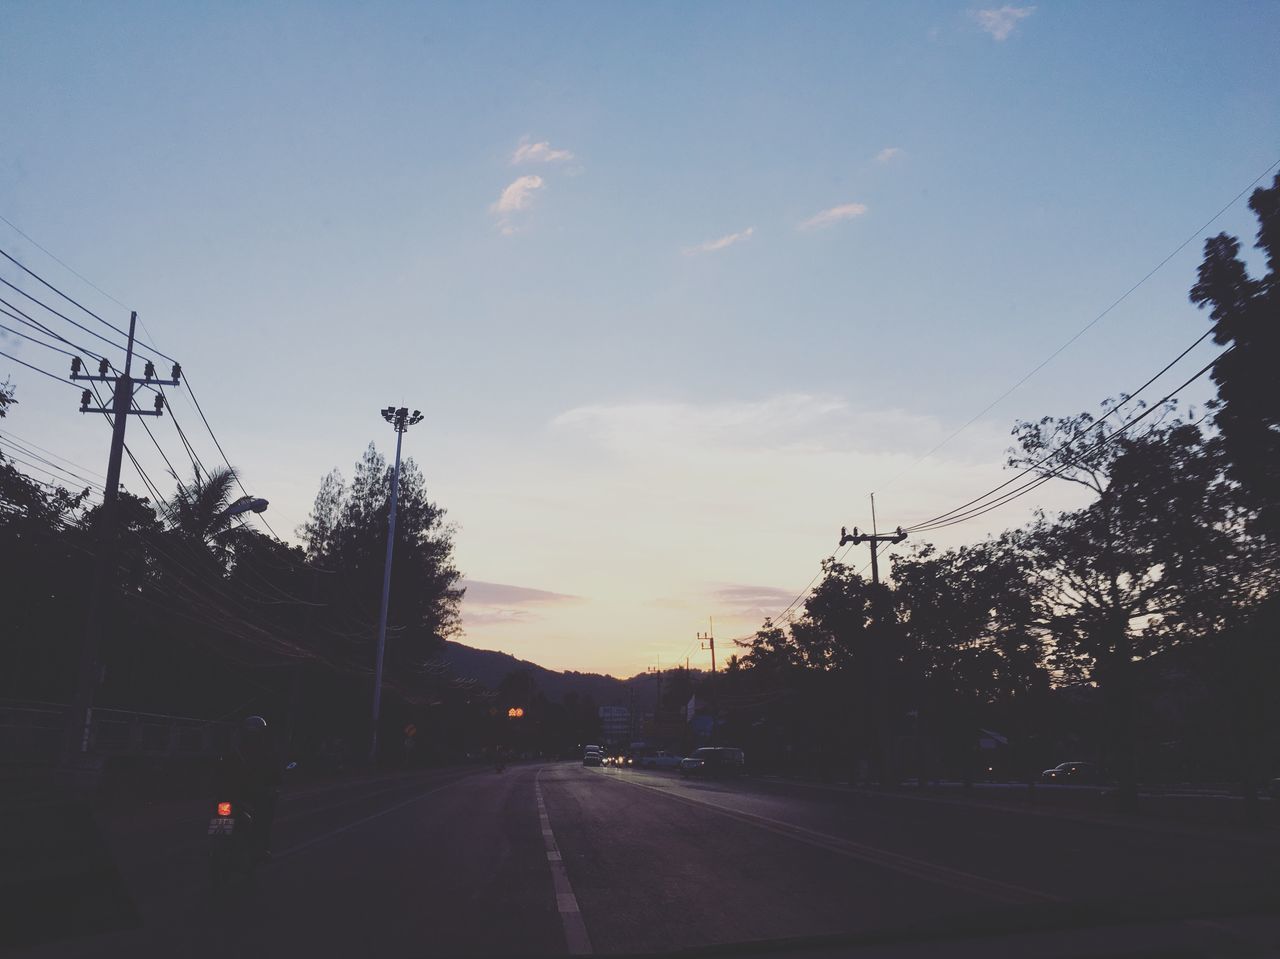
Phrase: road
(554, 858)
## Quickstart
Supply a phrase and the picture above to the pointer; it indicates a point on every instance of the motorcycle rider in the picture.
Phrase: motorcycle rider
(250, 773)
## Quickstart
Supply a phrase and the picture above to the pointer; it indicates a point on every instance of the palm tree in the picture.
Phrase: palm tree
(201, 509)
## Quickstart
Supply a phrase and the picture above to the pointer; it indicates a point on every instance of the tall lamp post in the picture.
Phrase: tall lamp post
(400, 420)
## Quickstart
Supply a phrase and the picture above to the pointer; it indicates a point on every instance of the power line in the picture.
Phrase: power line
(50, 286)
(1059, 470)
(14, 437)
(17, 229)
(37, 369)
(46, 306)
(27, 319)
(38, 342)
(223, 453)
(1088, 326)
(1128, 396)
(14, 444)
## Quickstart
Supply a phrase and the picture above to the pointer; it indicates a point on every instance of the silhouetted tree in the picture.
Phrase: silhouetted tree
(1246, 313)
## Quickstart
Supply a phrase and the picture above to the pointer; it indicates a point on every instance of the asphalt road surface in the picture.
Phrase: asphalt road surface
(557, 859)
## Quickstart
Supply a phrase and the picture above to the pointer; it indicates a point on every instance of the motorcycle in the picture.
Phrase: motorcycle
(234, 850)
(235, 847)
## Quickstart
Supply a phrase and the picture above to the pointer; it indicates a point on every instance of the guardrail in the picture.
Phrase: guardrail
(31, 732)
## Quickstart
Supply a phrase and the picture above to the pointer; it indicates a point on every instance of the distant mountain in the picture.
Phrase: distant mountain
(488, 668)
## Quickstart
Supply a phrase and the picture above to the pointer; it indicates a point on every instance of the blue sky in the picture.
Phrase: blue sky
(651, 389)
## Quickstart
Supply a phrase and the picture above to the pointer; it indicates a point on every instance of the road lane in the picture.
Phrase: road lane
(442, 865)
(658, 862)
(654, 874)
(542, 860)
(1055, 857)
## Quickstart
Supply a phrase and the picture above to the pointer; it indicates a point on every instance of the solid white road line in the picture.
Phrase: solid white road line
(575, 930)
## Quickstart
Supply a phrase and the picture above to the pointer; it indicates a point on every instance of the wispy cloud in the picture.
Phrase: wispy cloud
(517, 196)
(491, 604)
(711, 246)
(888, 154)
(1001, 21)
(844, 211)
(752, 602)
(540, 152)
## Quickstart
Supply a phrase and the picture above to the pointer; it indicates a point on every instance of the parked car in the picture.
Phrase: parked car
(1075, 772)
(660, 760)
(714, 761)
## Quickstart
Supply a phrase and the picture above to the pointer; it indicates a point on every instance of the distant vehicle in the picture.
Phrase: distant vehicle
(592, 759)
(713, 761)
(660, 760)
(1081, 773)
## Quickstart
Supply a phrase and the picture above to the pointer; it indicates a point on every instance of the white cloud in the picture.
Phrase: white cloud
(517, 196)
(1000, 21)
(845, 211)
(540, 152)
(711, 246)
(888, 154)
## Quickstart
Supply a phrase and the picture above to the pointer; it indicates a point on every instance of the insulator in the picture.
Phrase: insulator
(85, 396)
(159, 402)
(176, 372)
(103, 366)
(75, 365)
(149, 371)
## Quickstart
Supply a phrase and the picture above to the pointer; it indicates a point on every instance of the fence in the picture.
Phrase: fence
(32, 732)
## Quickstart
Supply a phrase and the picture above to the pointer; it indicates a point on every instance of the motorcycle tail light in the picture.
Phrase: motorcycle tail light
(224, 809)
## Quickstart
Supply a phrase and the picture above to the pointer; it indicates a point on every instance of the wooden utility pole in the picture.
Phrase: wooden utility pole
(89, 674)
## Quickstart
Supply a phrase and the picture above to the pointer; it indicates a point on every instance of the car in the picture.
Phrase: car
(714, 761)
(659, 760)
(591, 759)
(1072, 772)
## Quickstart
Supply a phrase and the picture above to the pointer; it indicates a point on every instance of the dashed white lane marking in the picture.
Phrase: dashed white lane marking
(575, 930)
(907, 865)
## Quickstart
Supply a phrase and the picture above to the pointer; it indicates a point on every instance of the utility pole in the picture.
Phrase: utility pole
(89, 674)
(880, 654)
(400, 421)
(656, 672)
(707, 640)
(873, 538)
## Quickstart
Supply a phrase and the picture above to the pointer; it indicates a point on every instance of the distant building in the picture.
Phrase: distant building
(615, 725)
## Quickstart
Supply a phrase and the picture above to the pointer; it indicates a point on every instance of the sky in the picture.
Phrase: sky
(676, 286)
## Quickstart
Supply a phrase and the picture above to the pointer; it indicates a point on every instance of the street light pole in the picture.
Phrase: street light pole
(400, 421)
